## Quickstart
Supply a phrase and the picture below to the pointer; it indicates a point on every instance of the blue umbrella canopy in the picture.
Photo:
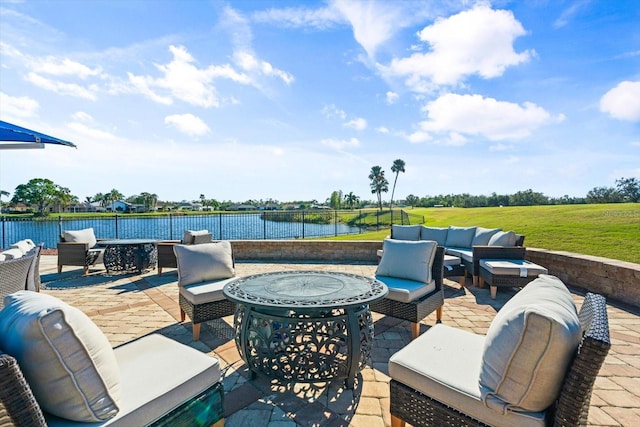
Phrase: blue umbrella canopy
(16, 137)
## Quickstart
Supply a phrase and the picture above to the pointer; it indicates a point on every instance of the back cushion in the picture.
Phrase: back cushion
(407, 259)
(529, 346)
(483, 235)
(81, 236)
(502, 238)
(436, 234)
(405, 232)
(460, 237)
(204, 262)
(190, 236)
(65, 357)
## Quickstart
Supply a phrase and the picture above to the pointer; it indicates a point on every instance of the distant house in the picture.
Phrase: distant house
(120, 206)
(269, 207)
(242, 208)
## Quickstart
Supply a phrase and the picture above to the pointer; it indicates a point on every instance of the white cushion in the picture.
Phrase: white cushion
(451, 260)
(444, 363)
(14, 253)
(81, 236)
(158, 374)
(190, 235)
(460, 237)
(463, 253)
(410, 260)
(404, 290)
(483, 235)
(205, 262)
(405, 232)
(24, 245)
(434, 233)
(529, 346)
(503, 238)
(202, 293)
(64, 356)
(512, 267)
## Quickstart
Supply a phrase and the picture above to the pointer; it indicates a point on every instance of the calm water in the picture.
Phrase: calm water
(223, 227)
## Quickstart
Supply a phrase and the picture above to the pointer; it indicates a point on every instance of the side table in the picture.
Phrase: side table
(508, 273)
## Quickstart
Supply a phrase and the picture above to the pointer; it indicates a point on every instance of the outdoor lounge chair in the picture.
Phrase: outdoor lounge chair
(203, 270)
(166, 256)
(20, 273)
(413, 272)
(536, 366)
(78, 248)
(152, 380)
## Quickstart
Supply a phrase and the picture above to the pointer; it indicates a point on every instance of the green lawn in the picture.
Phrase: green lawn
(607, 230)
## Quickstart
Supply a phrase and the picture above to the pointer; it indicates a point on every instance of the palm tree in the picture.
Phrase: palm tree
(379, 183)
(398, 166)
(2, 193)
(351, 199)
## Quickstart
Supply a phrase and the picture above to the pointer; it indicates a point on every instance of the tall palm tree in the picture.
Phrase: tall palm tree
(379, 183)
(397, 167)
(351, 199)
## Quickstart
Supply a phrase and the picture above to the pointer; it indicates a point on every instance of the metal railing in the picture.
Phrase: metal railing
(278, 225)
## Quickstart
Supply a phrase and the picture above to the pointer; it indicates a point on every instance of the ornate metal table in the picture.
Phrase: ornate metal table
(306, 326)
(129, 255)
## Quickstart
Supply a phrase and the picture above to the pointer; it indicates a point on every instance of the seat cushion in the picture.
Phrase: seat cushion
(204, 262)
(405, 232)
(460, 237)
(464, 253)
(436, 234)
(65, 357)
(80, 236)
(158, 374)
(512, 267)
(411, 260)
(444, 363)
(451, 260)
(529, 346)
(503, 238)
(483, 235)
(202, 293)
(404, 290)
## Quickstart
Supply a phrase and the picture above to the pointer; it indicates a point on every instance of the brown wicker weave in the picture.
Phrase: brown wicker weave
(14, 274)
(18, 407)
(417, 310)
(203, 312)
(77, 254)
(166, 256)
(571, 407)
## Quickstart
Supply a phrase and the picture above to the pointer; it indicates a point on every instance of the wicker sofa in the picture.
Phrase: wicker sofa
(470, 244)
(93, 383)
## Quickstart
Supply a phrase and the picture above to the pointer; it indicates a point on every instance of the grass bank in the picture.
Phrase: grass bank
(606, 230)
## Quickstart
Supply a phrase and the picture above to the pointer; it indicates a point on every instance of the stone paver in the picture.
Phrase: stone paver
(126, 307)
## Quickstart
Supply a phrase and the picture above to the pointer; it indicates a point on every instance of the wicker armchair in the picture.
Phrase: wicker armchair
(416, 310)
(20, 273)
(78, 248)
(166, 255)
(570, 408)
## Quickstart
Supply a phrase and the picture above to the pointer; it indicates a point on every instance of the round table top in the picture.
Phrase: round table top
(124, 242)
(305, 289)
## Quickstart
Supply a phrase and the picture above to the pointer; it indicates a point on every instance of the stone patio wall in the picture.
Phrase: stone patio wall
(615, 279)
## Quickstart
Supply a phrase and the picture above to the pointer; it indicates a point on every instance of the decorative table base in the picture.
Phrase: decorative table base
(128, 256)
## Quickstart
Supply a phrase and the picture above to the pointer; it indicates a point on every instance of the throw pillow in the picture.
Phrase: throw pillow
(436, 234)
(483, 235)
(65, 357)
(81, 236)
(503, 238)
(24, 245)
(529, 346)
(405, 232)
(189, 236)
(201, 263)
(14, 253)
(407, 259)
(460, 237)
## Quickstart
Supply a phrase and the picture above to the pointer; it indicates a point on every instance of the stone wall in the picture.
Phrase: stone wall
(619, 280)
(616, 280)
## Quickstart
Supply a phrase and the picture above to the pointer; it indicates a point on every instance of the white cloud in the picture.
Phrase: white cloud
(341, 144)
(63, 67)
(623, 101)
(81, 116)
(330, 111)
(500, 147)
(392, 97)
(487, 117)
(91, 132)
(250, 63)
(476, 41)
(358, 124)
(188, 123)
(62, 88)
(321, 18)
(382, 129)
(20, 106)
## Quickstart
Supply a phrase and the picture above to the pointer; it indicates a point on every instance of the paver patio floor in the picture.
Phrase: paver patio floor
(126, 307)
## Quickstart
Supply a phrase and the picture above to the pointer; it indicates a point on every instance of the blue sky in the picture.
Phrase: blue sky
(289, 100)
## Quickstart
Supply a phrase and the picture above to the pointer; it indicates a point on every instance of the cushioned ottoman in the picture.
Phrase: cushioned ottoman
(508, 273)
